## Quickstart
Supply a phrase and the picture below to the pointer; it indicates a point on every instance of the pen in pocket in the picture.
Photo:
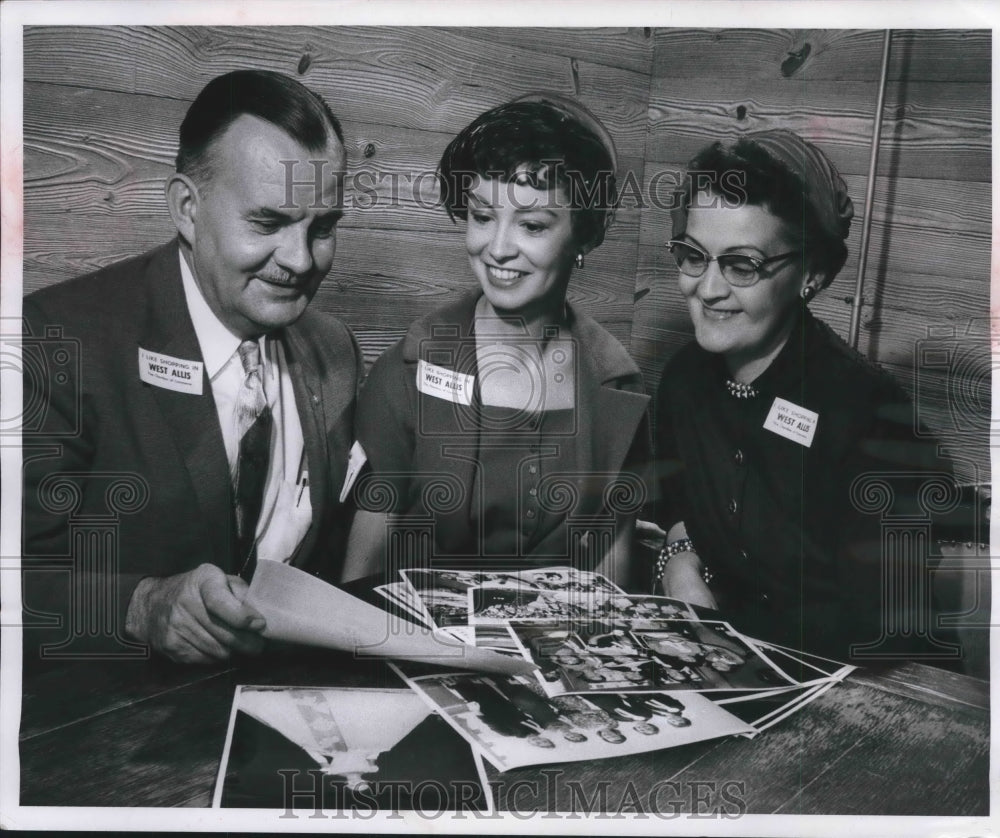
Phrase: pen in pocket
(303, 485)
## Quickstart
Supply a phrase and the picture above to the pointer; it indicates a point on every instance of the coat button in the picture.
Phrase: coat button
(738, 457)
(744, 555)
(530, 513)
(733, 506)
(765, 598)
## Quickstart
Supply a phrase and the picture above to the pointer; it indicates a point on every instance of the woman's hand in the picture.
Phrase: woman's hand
(682, 580)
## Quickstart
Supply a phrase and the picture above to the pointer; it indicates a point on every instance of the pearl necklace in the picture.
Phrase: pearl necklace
(738, 390)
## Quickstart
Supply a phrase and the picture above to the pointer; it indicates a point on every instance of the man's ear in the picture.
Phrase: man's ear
(182, 201)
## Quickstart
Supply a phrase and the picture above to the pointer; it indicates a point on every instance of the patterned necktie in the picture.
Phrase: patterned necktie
(253, 422)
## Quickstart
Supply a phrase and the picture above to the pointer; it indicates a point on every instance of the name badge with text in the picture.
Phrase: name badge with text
(792, 422)
(443, 383)
(170, 373)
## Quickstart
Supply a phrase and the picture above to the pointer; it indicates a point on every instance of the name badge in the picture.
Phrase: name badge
(170, 373)
(354, 463)
(792, 422)
(443, 383)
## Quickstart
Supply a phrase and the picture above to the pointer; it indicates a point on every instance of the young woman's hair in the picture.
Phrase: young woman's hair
(537, 143)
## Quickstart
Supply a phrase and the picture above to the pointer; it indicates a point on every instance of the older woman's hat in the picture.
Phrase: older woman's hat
(824, 188)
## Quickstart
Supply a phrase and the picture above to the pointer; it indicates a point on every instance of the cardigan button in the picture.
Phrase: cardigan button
(744, 555)
(733, 506)
(738, 457)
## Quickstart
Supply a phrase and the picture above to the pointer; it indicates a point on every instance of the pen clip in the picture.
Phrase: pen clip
(303, 484)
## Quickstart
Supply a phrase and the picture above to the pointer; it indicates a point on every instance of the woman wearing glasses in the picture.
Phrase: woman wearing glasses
(765, 420)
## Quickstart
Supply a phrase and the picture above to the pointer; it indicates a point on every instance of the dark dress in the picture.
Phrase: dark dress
(795, 535)
(490, 487)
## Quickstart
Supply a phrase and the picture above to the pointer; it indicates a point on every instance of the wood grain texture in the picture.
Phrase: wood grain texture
(833, 54)
(100, 687)
(107, 155)
(919, 226)
(380, 280)
(877, 760)
(930, 129)
(102, 106)
(929, 257)
(627, 48)
(418, 77)
(159, 745)
(929, 685)
(844, 752)
(147, 753)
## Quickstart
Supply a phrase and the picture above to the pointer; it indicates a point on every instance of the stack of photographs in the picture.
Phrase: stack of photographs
(615, 652)
(615, 674)
(512, 722)
(441, 599)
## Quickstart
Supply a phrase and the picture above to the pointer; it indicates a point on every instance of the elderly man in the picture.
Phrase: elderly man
(206, 391)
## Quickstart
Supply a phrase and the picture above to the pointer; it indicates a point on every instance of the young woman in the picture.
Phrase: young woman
(503, 429)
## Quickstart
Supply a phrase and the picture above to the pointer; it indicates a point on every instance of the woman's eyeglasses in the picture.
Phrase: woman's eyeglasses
(737, 269)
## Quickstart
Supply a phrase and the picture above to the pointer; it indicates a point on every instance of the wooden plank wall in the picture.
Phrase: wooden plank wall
(929, 260)
(102, 106)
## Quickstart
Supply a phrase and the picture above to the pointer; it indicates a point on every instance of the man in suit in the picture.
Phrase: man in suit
(209, 414)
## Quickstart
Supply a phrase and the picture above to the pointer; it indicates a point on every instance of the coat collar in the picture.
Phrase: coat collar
(311, 402)
(606, 359)
(195, 421)
(611, 402)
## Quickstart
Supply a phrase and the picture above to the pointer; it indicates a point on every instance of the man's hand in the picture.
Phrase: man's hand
(195, 617)
(682, 580)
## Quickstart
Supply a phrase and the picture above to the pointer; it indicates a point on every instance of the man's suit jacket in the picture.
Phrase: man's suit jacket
(151, 461)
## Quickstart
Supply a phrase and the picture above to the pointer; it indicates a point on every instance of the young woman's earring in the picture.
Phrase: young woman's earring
(808, 292)
(579, 260)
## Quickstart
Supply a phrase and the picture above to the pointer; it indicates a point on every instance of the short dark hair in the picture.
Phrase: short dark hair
(547, 145)
(746, 172)
(273, 97)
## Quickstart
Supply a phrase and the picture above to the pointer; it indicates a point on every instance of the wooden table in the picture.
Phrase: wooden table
(911, 740)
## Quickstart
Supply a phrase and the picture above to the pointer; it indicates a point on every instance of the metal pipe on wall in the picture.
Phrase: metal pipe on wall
(859, 284)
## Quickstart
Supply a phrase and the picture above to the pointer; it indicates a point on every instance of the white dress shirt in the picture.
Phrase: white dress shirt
(286, 511)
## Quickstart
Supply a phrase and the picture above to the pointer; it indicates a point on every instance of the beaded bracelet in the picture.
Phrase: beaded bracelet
(682, 545)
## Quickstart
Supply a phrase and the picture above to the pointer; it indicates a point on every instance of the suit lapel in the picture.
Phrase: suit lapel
(614, 418)
(448, 433)
(192, 420)
(310, 402)
(609, 415)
